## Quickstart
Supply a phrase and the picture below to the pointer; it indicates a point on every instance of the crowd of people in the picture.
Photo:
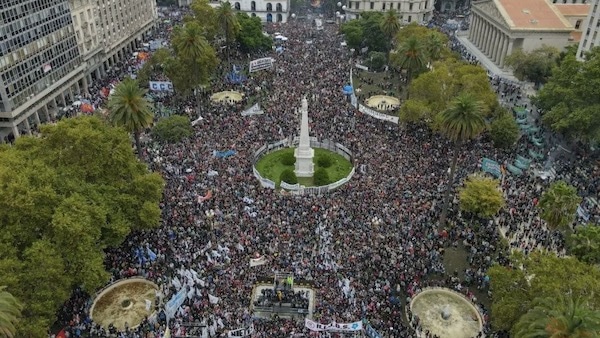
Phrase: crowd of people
(366, 248)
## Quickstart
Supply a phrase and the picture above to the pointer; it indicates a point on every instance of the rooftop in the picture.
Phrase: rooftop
(532, 14)
(573, 9)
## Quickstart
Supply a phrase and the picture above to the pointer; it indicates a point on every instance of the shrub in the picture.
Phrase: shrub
(324, 161)
(172, 129)
(288, 159)
(288, 176)
(321, 177)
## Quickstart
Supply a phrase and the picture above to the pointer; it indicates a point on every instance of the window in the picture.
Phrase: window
(410, 6)
(253, 6)
(409, 18)
(237, 6)
(372, 5)
(383, 6)
(356, 4)
(278, 9)
(577, 24)
(269, 7)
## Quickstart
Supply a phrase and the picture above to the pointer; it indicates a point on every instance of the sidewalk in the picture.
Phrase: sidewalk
(483, 59)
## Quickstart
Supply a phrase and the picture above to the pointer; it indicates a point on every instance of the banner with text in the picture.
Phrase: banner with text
(377, 115)
(339, 327)
(161, 86)
(244, 332)
(260, 64)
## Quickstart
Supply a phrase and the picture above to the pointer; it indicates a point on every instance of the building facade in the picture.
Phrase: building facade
(40, 63)
(498, 27)
(591, 37)
(266, 10)
(419, 11)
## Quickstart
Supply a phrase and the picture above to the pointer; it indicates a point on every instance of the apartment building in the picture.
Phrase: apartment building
(591, 27)
(40, 63)
(419, 11)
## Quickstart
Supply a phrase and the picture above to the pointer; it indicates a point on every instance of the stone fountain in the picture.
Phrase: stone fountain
(124, 303)
(446, 313)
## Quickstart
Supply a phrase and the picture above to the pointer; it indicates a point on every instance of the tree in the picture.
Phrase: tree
(558, 205)
(462, 121)
(205, 16)
(585, 244)
(128, 108)
(155, 66)
(250, 36)
(481, 196)
(390, 25)
(504, 131)
(228, 24)
(376, 61)
(434, 91)
(435, 46)
(353, 33)
(10, 312)
(172, 129)
(410, 57)
(374, 37)
(543, 275)
(68, 195)
(571, 98)
(195, 60)
(559, 316)
(535, 66)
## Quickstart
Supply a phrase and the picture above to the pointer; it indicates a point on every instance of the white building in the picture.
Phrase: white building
(591, 26)
(266, 10)
(419, 11)
(499, 27)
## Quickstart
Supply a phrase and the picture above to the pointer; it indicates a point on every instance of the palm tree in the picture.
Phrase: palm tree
(462, 121)
(193, 52)
(10, 311)
(228, 24)
(434, 46)
(390, 25)
(410, 56)
(559, 204)
(558, 317)
(129, 108)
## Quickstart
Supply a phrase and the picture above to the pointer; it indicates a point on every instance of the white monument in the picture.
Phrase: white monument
(304, 153)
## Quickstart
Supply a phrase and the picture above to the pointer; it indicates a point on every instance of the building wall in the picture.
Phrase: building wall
(591, 28)
(38, 54)
(534, 40)
(84, 22)
(267, 11)
(419, 11)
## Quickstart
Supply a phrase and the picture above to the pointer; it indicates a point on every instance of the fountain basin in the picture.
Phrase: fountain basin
(383, 102)
(124, 303)
(228, 96)
(446, 313)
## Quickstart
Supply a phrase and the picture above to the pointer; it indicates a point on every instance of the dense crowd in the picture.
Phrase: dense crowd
(366, 248)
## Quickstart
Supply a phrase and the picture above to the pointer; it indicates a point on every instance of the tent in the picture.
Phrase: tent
(347, 90)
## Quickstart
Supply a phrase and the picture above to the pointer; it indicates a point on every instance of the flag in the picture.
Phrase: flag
(259, 260)
(212, 299)
(151, 255)
(205, 197)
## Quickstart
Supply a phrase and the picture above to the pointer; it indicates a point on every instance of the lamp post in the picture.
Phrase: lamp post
(341, 15)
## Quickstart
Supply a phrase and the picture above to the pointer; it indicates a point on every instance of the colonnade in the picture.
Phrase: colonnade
(491, 40)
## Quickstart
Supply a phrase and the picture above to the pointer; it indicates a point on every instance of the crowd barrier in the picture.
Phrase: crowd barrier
(291, 142)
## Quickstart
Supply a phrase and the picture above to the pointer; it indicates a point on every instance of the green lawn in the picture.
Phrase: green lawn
(270, 166)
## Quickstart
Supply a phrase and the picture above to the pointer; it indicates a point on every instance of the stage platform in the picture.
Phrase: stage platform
(285, 310)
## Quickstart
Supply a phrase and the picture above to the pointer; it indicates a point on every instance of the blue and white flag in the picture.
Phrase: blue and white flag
(151, 255)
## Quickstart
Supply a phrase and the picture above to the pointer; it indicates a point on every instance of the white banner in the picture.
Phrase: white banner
(161, 86)
(254, 110)
(175, 302)
(339, 327)
(288, 186)
(243, 332)
(258, 261)
(377, 115)
(260, 64)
